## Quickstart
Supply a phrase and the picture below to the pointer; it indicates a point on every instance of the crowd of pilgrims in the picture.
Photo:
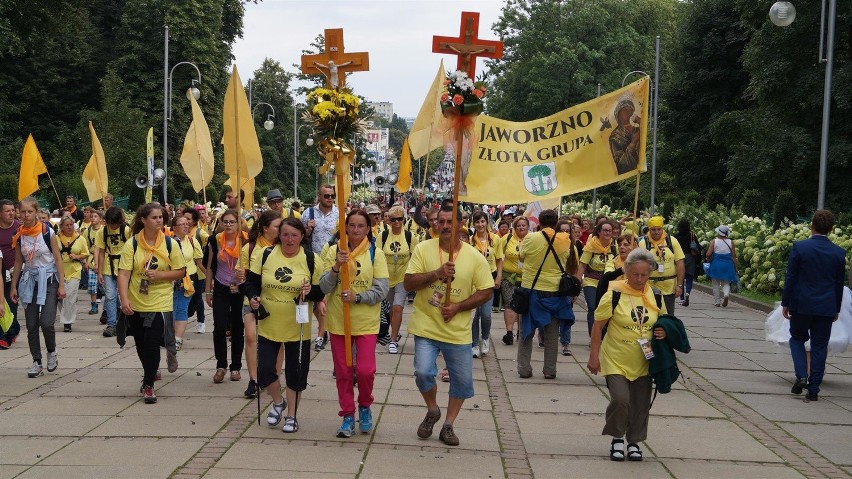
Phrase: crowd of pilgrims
(268, 274)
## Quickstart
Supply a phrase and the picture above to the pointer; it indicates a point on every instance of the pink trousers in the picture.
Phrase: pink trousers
(364, 362)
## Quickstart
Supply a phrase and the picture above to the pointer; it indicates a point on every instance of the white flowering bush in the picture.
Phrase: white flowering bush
(366, 195)
(584, 210)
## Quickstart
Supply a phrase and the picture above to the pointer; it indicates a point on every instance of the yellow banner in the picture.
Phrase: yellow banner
(586, 146)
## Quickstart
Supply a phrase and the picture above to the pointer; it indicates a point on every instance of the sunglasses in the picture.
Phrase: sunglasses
(329, 197)
(228, 222)
(396, 219)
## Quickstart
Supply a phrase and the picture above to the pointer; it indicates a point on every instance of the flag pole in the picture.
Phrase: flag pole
(201, 169)
(636, 202)
(344, 270)
(238, 186)
(455, 224)
(54, 188)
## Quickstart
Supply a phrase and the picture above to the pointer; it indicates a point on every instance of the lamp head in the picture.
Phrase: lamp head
(268, 125)
(782, 13)
(309, 141)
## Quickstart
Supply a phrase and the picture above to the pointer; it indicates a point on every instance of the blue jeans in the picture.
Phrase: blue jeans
(459, 365)
(590, 293)
(818, 330)
(111, 299)
(565, 332)
(482, 320)
(687, 285)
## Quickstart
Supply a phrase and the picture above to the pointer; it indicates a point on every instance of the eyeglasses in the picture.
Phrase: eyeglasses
(329, 197)
(397, 219)
(228, 222)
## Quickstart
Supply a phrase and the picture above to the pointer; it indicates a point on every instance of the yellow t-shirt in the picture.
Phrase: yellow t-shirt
(73, 267)
(595, 266)
(114, 247)
(191, 251)
(533, 249)
(493, 250)
(363, 318)
(160, 292)
(620, 352)
(200, 236)
(472, 275)
(397, 254)
(512, 263)
(665, 256)
(91, 234)
(281, 281)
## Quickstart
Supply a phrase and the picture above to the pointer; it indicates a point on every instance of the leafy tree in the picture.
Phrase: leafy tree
(785, 208)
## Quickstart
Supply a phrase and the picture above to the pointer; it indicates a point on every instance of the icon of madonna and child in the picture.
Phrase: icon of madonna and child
(625, 139)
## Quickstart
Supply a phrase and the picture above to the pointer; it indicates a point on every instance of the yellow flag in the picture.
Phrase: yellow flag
(404, 183)
(197, 155)
(242, 150)
(248, 189)
(95, 175)
(425, 134)
(31, 166)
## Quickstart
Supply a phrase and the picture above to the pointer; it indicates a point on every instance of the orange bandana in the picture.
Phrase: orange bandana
(152, 250)
(36, 229)
(351, 264)
(594, 245)
(625, 288)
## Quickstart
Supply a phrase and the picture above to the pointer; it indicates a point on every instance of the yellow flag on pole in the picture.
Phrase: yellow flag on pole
(197, 155)
(32, 165)
(95, 175)
(404, 182)
(425, 134)
(242, 150)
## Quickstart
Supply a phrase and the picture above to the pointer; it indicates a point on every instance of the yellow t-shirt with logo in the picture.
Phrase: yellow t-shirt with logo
(114, 246)
(533, 249)
(73, 267)
(620, 352)
(493, 249)
(472, 274)
(281, 282)
(512, 263)
(160, 292)
(668, 258)
(363, 318)
(596, 262)
(397, 254)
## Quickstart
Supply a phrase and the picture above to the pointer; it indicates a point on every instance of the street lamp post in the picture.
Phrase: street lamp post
(268, 124)
(310, 142)
(782, 14)
(167, 103)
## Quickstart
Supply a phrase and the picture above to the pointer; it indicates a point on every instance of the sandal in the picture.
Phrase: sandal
(290, 424)
(633, 452)
(616, 450)
(445, 375)
(274, 415)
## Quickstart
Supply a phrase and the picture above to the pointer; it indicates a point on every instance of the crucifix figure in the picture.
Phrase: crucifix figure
(467, 46)
(334, 64)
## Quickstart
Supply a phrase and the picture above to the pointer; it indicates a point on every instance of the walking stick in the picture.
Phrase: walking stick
(257, 363)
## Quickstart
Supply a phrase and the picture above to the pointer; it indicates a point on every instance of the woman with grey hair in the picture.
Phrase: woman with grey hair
(620, 353)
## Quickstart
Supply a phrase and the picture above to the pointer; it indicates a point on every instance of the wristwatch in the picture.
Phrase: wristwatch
(357, 299)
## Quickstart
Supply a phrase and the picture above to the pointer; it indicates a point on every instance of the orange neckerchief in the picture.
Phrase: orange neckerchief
(618, 261)
(224, 250)
(593, 245)
(625, 288)
(72, 210)
(659, 245)
(433, 234)
(262, 242)
(562, 241)
(153, 250)
(36, 229)
(353, 267)
(482, 247)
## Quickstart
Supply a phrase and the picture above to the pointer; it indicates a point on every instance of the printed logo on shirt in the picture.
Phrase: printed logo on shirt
(283, 274)
(639, 313)
(395, 247)
(153, 263)
(357, 268)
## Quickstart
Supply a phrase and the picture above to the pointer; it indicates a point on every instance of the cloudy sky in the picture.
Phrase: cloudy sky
(396, 33)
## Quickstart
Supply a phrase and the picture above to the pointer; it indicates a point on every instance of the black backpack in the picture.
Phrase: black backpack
(616, 296)
(386, 234)
(309, 257)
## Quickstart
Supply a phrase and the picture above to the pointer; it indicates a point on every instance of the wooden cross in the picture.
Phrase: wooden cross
(468, 46)
(333, 64)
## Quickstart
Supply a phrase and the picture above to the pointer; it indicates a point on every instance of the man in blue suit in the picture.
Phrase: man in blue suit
(813, 290)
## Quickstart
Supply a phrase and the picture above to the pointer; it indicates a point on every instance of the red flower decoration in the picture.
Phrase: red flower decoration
(445, 97)
(478, 93)
(458, 99)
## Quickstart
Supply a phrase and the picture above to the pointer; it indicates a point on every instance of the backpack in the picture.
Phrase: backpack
(121, 232)
(67, 249)
(386, 234)
(668, 243)
(309, 256)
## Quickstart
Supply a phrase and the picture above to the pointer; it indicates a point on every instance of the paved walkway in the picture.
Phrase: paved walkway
(732, 417)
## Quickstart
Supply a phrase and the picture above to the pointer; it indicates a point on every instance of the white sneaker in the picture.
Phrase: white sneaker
(485, 346)
(476, 351)
(52, 361)
(200, 328)
(393, 347)
(35, 371)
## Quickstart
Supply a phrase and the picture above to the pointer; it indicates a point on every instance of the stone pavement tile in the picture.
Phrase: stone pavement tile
(8, 472)
(844, 402)
(832, 441)
(746, 346)
(19, 385)
(836, 385)
(564, 434)
(244, 473)
(600, 468)
(713, 332)
(118, 471)
(295, 458)
(682, 403)
(76, 405)
(192, 385)
(167, 454)
(28, 451)
(127, 385)
(189, 406)
(746, 381)
(718, 360)
(704, 439)
(556, 399)
(698, 343)
(398, 425)
(568, 371)
(385, 463)
(791, 408)
(714, 470)
(15, 424)
(160, 424)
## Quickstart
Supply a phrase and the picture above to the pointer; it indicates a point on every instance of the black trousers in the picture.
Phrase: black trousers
(227, 316)
(148, 341)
